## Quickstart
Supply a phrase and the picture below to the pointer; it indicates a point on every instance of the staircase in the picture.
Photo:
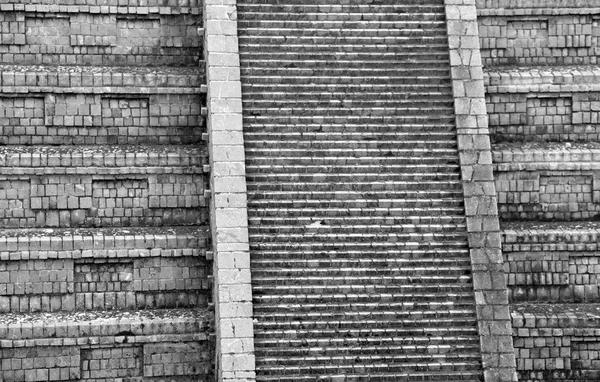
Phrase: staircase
(360, 263)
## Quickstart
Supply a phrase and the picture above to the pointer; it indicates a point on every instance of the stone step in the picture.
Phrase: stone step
(360, 57)
(264, 342)
(351, 304)
(411, 351)
(339, 129)
(362, 295)
(366, 13)
(454, 252)
(416, 87)
(410, 39)
(355, 314)
(405, 63)
(289, 29)
(362, 321)
(349, 135)
(333, 214)
(419, 245)
(318, 184)
(405, 271)
(383, 376)
(293, 120)
(319, 179)
(414, 223)
(349, 98)
(318, 170)
(339, 161)
(358, 101)
(426, 21)
(343, 279)
(326, 150)
(350, 197)
(376, 333)
(394, 265)
(391, 81)
(309, 48)
(403, 361)
(375, 286)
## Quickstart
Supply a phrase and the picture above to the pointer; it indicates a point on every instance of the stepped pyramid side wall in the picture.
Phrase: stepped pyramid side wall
(542, 89)
(105, 261)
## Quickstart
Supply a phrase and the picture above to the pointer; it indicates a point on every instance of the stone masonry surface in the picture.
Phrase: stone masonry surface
(358, 271)
(234, 354)
(105, 252)
(480, 197)
(541, 80)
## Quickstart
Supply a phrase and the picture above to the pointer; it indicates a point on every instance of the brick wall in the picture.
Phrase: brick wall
(42, 117)
(106, 346)
(104, 269)
(557, 345)
(526, 36)
(98, 35)
(99, 201)
(552, 263)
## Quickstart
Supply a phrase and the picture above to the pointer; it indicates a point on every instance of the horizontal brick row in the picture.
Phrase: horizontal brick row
(550, 39)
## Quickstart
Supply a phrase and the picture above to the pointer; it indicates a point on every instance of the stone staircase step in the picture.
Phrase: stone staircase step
(357, 56)
(353, 313)
(288, 101)
(437, 120)
(417, 352)
(424, 252)
(306, 308)
(418, 341)
(362, 296)
(273, 31)
(362, 265)
(441, 211)
(278, 287)
(319, 178)
(405, 361)
(350, 98)
(406, 171)
(370, 322)
(396, 80)
(357, 205)
(426, 21)
(379, 333)
(415, 223)
(379, 376)
(351, 134)
(320, 185)
(276, 273)
(326, 240)
(329, 150)
(381, 160)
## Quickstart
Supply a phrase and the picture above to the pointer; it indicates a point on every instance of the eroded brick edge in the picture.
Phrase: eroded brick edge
(228, 206)
(491, 297)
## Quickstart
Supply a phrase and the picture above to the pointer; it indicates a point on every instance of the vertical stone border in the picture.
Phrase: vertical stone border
(228, 206)
(491, 296)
